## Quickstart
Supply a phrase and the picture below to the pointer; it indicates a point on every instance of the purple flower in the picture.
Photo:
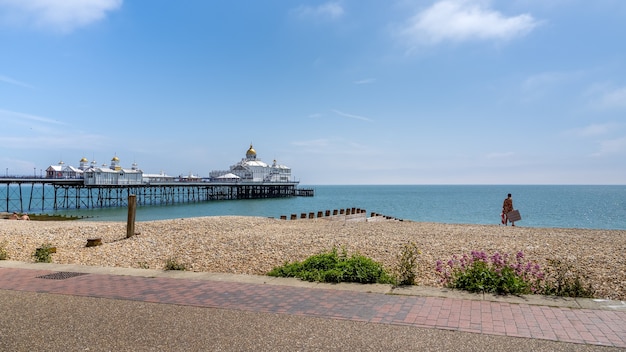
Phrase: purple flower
(439, 266)
(498, 260)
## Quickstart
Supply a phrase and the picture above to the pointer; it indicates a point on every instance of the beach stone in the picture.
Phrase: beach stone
(255, 245)
(92, 242)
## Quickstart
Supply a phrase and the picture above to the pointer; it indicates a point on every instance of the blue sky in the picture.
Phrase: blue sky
(343, 92)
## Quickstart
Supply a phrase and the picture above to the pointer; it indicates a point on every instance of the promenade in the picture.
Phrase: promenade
(72, 307)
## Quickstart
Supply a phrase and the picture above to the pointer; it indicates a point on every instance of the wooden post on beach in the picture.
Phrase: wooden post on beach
(132, 206)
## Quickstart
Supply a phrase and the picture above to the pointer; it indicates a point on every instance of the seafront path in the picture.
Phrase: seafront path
(73, 307)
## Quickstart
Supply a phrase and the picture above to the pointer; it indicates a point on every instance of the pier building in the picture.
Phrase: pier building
(113, 175)
(252, 169)
(249, 169)
(64, 171)
(90, 186)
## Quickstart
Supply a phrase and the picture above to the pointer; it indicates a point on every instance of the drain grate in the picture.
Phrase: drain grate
(61, 275)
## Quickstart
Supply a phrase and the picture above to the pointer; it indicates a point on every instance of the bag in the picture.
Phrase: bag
(502, 218)
(513, 216)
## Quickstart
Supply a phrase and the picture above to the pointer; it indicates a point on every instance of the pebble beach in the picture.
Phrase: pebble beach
(255, 245)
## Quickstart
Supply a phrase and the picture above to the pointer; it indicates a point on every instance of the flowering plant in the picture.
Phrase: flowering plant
(498, 273)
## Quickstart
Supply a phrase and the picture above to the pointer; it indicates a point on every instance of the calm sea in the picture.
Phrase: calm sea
(592, 207)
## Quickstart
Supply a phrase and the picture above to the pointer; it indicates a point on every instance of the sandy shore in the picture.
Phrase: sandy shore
(254, 245)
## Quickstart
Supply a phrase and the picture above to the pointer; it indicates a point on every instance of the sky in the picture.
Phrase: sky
(343, 92)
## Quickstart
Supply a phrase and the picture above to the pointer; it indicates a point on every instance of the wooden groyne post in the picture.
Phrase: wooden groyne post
(132, 207)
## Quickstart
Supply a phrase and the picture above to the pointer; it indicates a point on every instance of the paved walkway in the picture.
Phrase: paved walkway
(601, 323)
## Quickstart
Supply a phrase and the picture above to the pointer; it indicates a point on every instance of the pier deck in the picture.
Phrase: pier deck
(40, 194)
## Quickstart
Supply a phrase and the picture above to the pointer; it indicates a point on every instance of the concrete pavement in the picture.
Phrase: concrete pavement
(263, 313)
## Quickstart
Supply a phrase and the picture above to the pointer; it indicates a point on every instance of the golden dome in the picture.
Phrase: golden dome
(251, 151)
(84, 160)
(115, 158)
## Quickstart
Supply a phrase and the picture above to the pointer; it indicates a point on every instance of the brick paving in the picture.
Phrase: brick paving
(584, 326)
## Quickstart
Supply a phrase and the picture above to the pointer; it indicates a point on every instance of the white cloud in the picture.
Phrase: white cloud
(25, 131)
(545, 84)
(53, 142)
(329, 10)
(612, 146)
(365, 81)
(594, 130)
(59, 15)
(13, 116)
(542, 80)
(10, 80)
(356, 117)
(614, 99)
(462, 20)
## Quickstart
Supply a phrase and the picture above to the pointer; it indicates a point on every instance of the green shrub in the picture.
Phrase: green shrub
(334, 267)
(4, 255)
(480, 277)
(43, 254)
(562, 279)
(407, 263)
(498, 274)
(479, 272)
(172, 264)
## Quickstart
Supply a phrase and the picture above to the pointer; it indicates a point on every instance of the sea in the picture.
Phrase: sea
(546, 206)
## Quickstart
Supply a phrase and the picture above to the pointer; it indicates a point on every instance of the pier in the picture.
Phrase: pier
(40, 194)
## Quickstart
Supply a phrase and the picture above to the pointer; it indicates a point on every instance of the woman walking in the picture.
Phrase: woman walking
(507, 207)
